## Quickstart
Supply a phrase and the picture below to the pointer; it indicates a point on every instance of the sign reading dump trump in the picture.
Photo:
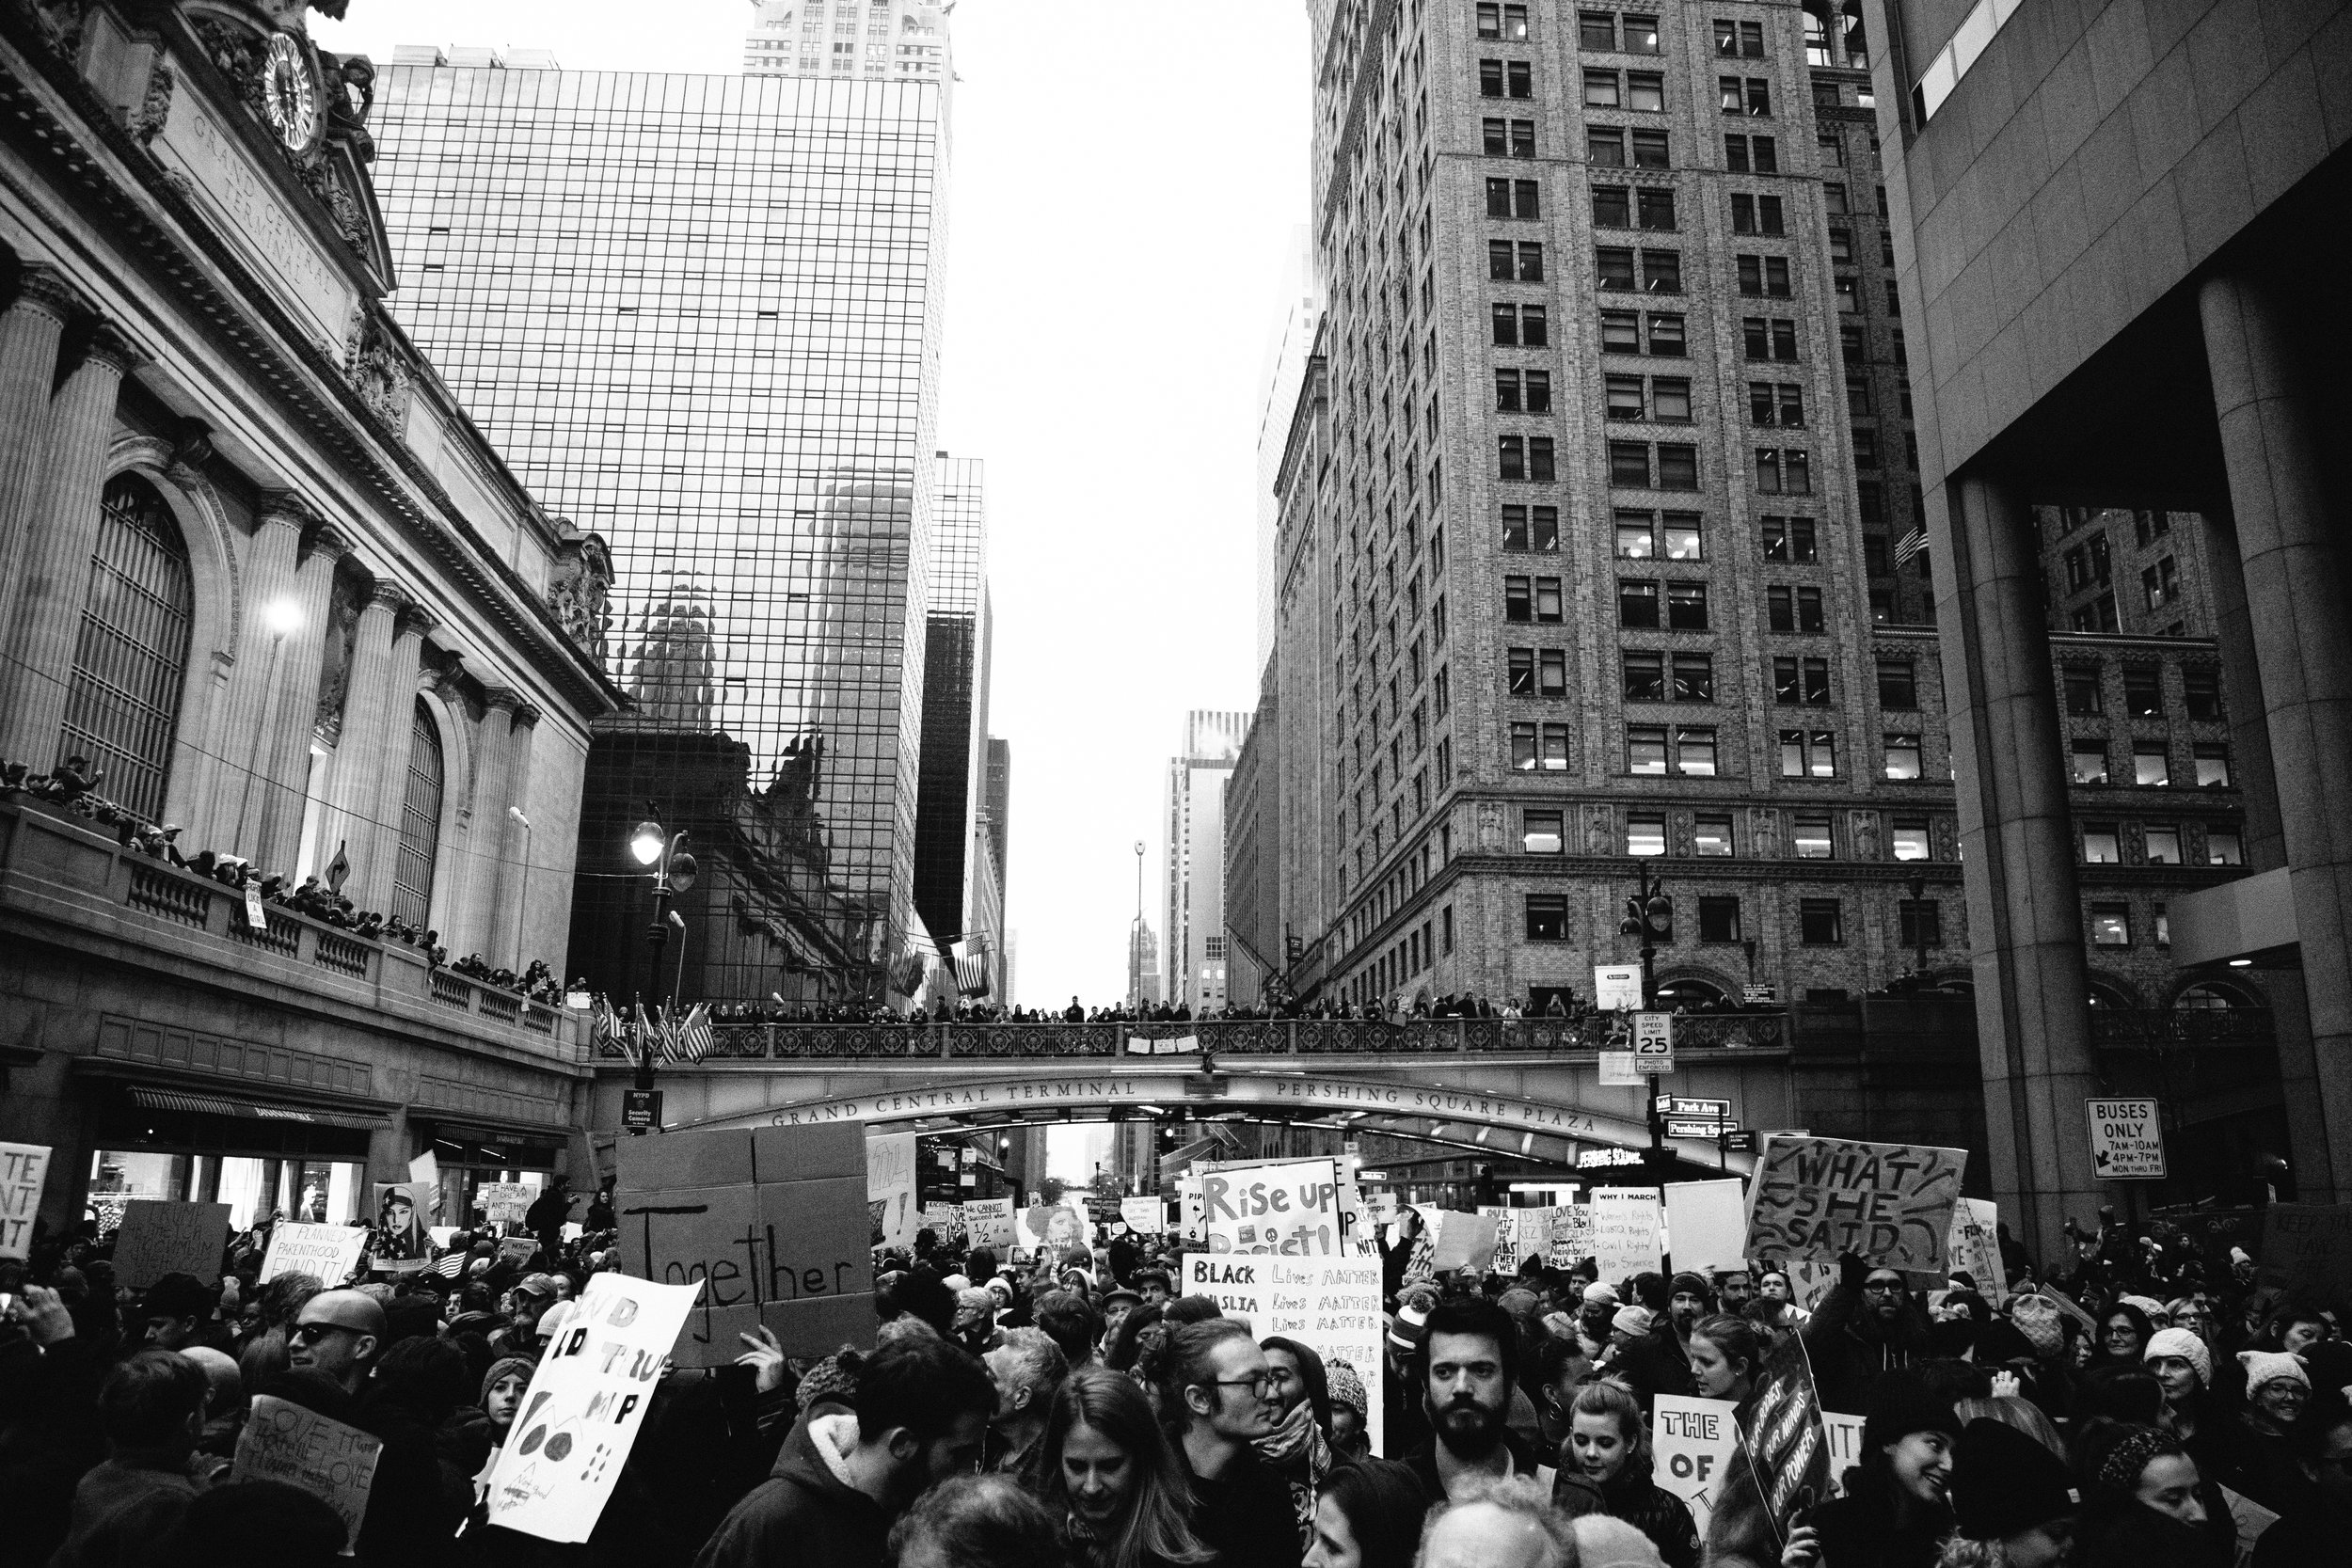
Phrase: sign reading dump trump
(1890, 1203)
(772, 1221)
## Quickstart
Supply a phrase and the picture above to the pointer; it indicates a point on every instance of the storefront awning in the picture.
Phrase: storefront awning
(252, 1110)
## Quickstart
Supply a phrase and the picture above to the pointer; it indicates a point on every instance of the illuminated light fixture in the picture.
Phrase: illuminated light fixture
(2241, 963)
(283, 617)
(646, 841)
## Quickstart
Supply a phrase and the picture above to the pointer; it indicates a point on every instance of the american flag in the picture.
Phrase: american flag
(1910, 545)
(451, 1266)
(690, 1038)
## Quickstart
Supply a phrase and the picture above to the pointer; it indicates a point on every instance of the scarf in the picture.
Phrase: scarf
(1298, 1449)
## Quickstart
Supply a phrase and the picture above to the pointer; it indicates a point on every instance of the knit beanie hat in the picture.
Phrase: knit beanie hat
(1409, 1327)
(2129, 1452)
(1635, 1320)
(2265, 1366)
(1347, 1386)
(2181, 1343)
(2149, 1305)
(1693, 1283)
(828, 1382)
(2005, 1482)
(1596, 1294)
(1522, 1304)
(1999, 1342)
(1901, 1402)
(506, 1367)
(2037, 1318)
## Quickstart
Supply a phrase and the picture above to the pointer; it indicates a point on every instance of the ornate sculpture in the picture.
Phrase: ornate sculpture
(581, 590)
(147, 120)
(60, 23)
(1489, 828)
(378, 371)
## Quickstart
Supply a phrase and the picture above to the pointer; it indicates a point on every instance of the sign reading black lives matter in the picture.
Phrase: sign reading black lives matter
(772, 1221)
(1890, 1203)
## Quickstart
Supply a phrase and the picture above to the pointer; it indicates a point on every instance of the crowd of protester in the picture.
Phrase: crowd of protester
(1562, 1004)
(1076, 1409)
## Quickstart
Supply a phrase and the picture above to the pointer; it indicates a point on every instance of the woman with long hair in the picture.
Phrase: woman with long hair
(1895, 1507)
(1110, 1475)
(1605, 1468)
(1369, 1516)
(2123, 1338)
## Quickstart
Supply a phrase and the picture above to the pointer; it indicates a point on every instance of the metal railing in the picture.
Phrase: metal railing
(2128, 1027)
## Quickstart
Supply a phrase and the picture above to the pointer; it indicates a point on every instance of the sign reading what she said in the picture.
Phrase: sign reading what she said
(1891, 1203)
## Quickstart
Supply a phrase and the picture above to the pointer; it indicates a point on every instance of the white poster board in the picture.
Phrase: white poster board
(586, 1401)
(1291, 1210)
(1695, 1441)
(1329, 1305)
(327, 1253)
(24, 1169)
(890, 1187)
(1975, 1247)
(1147, 1215)
(1625, 1232)
(1706, 1223)
(505, 1202)
(988, 1221)
(1617, 987)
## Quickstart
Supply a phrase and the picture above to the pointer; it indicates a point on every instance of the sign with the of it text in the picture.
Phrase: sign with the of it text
(2127, 1144)
(1821, 1197)
(1695, 1441)
(1329, 1305)
(24, 1168)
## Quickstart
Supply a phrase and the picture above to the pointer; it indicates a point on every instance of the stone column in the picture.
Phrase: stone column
(29, 334)
(2295, 607)
(374, 742)
(265, 597)
(515, 851)
(44, 622)
(2017, 841)
(293, 715)
(493, 791)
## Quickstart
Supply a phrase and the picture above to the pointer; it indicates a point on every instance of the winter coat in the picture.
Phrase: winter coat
(1245, 1514)
(1859, 1529)
(128, 1500)
(806, 1512)
(1640, 1502)
(2127, 1533)
(1849, 1355)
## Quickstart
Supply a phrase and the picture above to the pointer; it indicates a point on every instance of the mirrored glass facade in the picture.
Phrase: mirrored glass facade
(955, 702)
(699, 316)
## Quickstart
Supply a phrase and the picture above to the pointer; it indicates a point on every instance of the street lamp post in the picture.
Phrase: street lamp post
(673, 872)
(1650, 914)
(1134, 943)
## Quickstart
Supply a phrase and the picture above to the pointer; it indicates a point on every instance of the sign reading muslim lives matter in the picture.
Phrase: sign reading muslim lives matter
(1891, 1204)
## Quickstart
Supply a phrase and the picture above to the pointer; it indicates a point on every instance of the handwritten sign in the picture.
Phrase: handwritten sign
(1695, 1441)
(1571, 1234)
(890, 1188)
(988, 1221)
(505, 1202)
(1148, 1215)
(1329, 1305)
(1625, 1232)
(773, 1222)
(2307, 1247)
(1706, 1223)
(1821, 1197)
(945, 1221)
(1975, 1247)
(1290, 1210)
(1783, 1441)
(327, 1253)
(586, 1404)
(334, 1463)
(24, 1168)
(157, 1238)
(1459, 1241)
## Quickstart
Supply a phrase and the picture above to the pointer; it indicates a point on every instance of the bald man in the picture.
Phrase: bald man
(339, 1334)
(1499, 1524)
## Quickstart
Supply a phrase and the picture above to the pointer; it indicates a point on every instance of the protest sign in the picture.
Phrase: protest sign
(426, 1171)
(587, 1400)
(1783, 1442)
(772, 1220)
(988, 1221)
(1625, 1232)
(1329, 1305)
(402, 1245)
(1706, 1223)
(1459, 1241)
(890, 1188)
(327, 1253)
(1571, 1234)
(334, 1463)
(1146, 1214)
(442, 1235)
(518, 1250)
(1506, 1235)
(945, 1221)
(1843, 1434)
(24, 1168)
(1290, 1209)
(2307, 1247)
(505, 1202)
(1695, 1441)
(1821, 1197)
(2251, 1519)
(1051, 1228)
(1975, 1247)
(157, 1238)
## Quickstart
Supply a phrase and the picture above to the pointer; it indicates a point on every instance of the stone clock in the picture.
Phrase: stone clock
(289, 93)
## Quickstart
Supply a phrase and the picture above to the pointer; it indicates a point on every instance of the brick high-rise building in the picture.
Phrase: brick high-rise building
(1570, 520)
(862, 40)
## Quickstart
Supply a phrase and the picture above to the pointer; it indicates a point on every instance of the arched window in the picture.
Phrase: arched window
(132, 649)
(2207, 996)
(420, 824)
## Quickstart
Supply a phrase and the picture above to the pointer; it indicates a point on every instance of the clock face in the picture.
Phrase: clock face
(290, 95)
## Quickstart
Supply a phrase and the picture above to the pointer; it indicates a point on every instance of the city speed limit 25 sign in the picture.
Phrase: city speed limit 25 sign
(2125, 1143)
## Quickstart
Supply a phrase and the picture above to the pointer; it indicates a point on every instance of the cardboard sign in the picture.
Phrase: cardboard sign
(1148, 1215)
(2126, 1140)
(505, 1202)
(2307, 1247)
(945, 1221)
(1617, 987)
(587, 1400)
(772, 1221)
(1625, 1232)
(1329, 1305)
(1890, 1203)
(1459, 1241)
(1571, 1240)
(988, 1221)
(517, 1251)
(24, 1168)
(1695, 1441)
(157, 1238)
(327, 1253)
(334, 1463)
(1975, 1247)
(890, 1188)
(1291, 1210)
(1706, 1223)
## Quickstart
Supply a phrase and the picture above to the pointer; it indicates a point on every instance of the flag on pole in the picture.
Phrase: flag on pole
(1910, 545)
(641, 1035)
(692, 1038)
(606, 1030)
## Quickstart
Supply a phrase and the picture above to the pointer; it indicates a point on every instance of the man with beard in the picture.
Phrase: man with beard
(1734, 1289)
(1468, 1368)
(1688, 1300)
(1866, 1327)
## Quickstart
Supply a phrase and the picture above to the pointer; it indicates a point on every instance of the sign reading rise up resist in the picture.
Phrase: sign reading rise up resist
(1891, 1203)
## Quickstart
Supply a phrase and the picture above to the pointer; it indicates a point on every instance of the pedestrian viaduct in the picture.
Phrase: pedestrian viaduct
(1529, 1089)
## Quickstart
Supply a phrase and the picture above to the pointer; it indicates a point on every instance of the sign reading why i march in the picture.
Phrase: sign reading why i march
(1891, 1203)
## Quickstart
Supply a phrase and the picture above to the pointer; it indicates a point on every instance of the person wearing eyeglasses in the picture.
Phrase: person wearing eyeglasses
(1217, 1397)
(1866, 1327)
(338, 1333)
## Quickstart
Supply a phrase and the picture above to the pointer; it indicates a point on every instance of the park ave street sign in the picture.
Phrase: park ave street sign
(2127, 1144)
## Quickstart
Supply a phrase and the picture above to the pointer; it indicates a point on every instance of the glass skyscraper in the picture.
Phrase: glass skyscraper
(954, 761)
(699, 315)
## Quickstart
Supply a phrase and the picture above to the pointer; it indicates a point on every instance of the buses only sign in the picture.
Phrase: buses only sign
(2125, 1143)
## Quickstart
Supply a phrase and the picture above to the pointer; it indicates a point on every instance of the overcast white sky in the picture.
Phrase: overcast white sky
(1128, 176)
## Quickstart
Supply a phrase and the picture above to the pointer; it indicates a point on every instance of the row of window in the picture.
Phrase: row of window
(2143, 691)
(1663, 535)
(2152, 763)
(1690, 750)
(2160, 843)
(1820, 922)
(1542, 830)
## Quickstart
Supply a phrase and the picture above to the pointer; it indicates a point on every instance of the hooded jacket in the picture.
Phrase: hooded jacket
(806, 1512)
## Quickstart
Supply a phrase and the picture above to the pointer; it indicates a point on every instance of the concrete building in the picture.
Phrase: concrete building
(2119, 225)
(700, 314)
(1194, 971)
(267, 596)
(860, 39)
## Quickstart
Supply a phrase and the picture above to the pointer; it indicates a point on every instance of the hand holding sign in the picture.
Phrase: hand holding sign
(1890, 1203)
